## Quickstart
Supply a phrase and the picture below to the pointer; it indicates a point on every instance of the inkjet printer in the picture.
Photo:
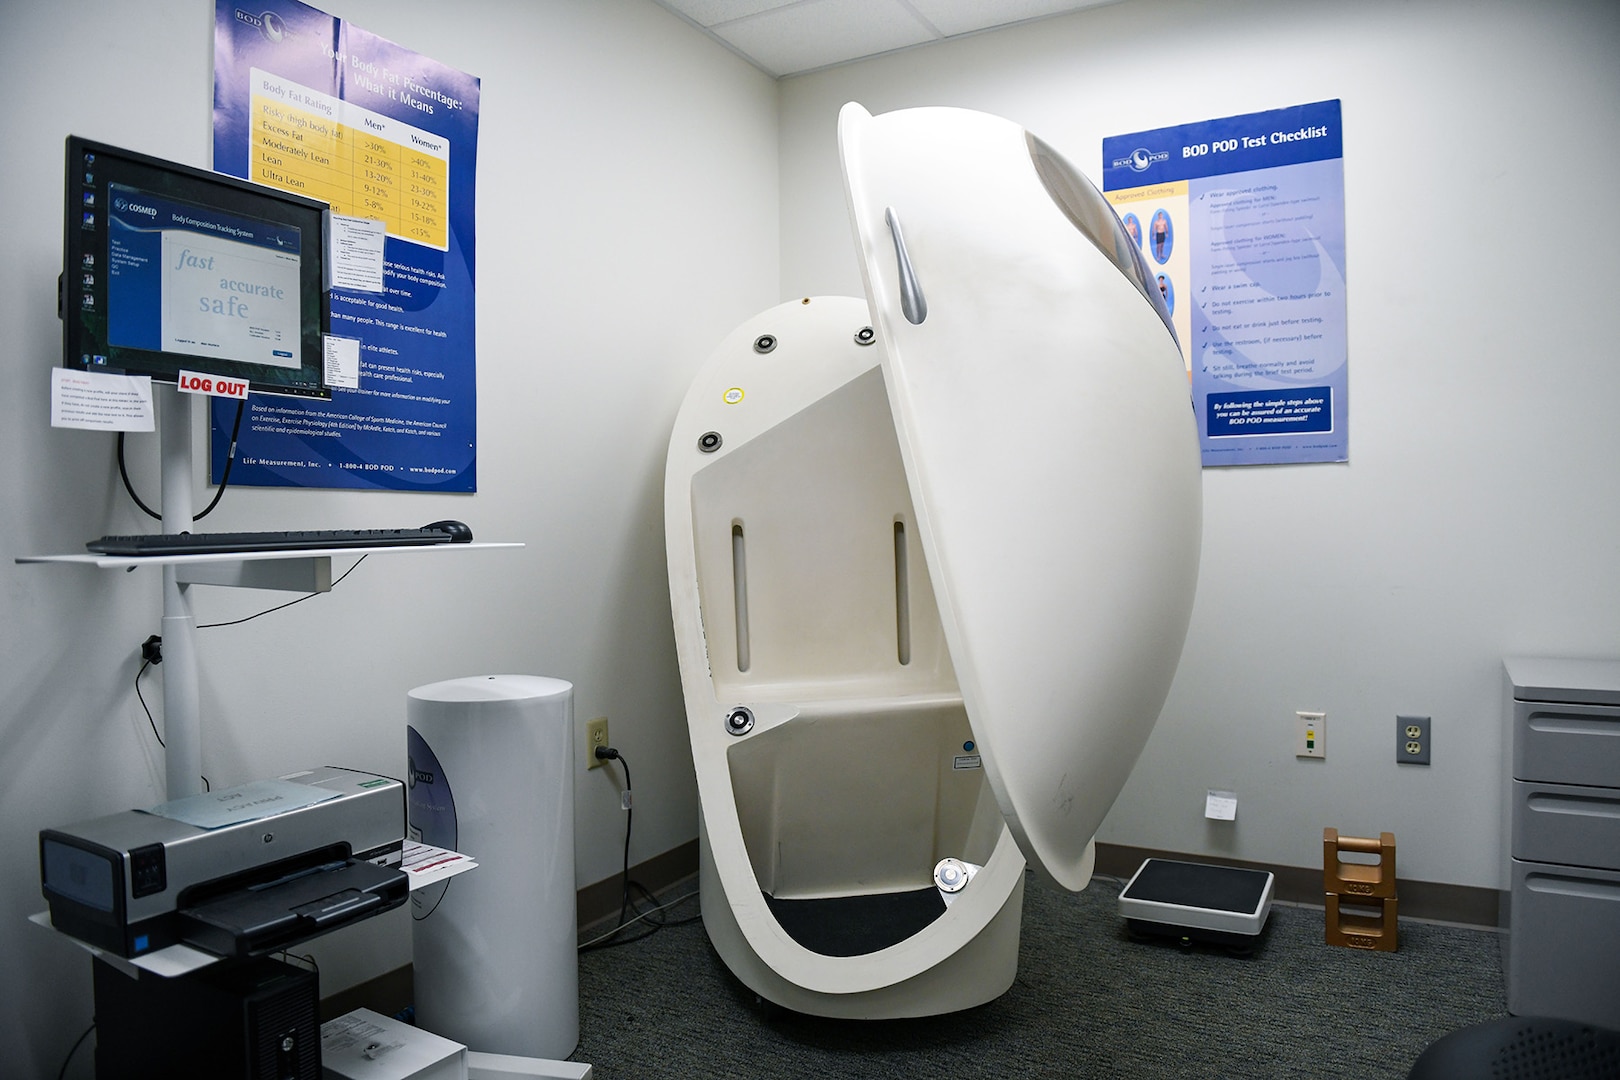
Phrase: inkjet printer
(238, 872)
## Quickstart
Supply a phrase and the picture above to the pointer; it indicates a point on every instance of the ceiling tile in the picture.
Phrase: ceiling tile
(951, 17)
(710, 12)
(815, 34)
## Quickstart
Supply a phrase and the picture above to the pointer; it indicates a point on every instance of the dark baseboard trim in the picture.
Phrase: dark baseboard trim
(1470, 905)
(392, 991)
(600, 902)
(1467, 904)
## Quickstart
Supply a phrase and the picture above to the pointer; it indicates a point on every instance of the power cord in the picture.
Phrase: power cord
(151, 653)
(595, 942)
(308, 958)
(608, 753)
(77, 1043)
(288, 604)
(152, 647)
(626, 904)
(224, 477)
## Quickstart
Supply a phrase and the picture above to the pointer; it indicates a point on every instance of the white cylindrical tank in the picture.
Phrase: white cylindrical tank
(491, 775)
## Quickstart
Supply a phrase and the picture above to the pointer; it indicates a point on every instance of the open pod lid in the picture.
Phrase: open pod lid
(1046, 428)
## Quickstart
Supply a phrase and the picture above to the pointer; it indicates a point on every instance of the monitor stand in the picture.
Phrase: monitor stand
(182, 710)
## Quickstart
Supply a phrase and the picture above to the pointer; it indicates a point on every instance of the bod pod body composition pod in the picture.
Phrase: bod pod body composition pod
(932, 559)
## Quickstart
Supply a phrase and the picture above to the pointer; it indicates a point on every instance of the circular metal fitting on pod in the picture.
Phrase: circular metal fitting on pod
(765, 343)
(950, 875)
(739, 721)
(709, 441)
(865, 336)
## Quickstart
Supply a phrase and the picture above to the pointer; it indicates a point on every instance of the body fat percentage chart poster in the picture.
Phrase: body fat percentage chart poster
(311, 104)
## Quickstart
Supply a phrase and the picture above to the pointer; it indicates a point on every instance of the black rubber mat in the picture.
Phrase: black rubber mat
(856, 925)
(1198, 885)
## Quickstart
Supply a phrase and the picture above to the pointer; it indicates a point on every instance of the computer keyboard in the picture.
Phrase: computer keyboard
(296, 540)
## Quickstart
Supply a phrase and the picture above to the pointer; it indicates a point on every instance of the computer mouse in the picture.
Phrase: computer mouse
(459, 533)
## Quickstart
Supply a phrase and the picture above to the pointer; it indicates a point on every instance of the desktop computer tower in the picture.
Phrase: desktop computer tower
(249, 1020)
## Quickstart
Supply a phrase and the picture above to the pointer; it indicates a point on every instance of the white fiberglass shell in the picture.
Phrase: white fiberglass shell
(1046, 431)
(799, 593)
(939, 550)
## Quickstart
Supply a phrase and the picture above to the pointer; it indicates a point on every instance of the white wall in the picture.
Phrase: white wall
(1479, 511)
(628, 220)
(632, 201)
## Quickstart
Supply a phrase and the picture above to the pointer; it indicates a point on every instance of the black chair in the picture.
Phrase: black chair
(1522, 1048)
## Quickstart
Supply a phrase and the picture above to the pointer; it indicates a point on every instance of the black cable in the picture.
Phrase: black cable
(626, 904)
(151, 649)
(144, 665)
(629, 820)
(224, 478)
(657, 907)
(597, 942)
(230, 459)
(149, 718)
(129, 487)
(79, 1042)
(287, 957)
(288, 604)
(608, 753)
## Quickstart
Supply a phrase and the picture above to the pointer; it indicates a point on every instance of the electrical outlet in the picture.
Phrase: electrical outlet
(595, 735)
(1311, 737)
(1412, 740)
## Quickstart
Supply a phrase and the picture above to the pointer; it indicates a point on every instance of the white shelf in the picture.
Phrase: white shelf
(167, 962)
(116, 562)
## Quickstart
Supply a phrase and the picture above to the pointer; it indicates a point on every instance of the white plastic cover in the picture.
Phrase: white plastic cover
(1046, 427)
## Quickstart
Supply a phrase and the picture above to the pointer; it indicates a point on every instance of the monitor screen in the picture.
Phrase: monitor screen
(167, 268)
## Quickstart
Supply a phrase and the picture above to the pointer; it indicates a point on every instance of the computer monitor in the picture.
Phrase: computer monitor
(168, 268)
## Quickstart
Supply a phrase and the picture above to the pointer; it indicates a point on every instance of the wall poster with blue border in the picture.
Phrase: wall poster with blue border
(311, 104)
(1241, 220)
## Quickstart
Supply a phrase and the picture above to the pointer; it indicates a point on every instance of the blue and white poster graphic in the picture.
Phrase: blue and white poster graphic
(430, 811)
(311, 104)
(1241, 221)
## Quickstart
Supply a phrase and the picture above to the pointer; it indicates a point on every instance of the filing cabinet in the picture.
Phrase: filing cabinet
(1563, 956)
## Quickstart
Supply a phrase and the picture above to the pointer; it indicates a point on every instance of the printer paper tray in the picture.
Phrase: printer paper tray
(264, 918)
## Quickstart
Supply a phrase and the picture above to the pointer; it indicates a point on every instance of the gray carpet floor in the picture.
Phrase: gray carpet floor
(1088, 1002)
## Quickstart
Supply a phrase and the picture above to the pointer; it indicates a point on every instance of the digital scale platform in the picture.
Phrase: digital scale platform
(1218, 905)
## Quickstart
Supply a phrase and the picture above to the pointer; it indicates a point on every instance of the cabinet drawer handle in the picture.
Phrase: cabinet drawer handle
(1564, 724)
(1584, 806)
(1585, 888)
